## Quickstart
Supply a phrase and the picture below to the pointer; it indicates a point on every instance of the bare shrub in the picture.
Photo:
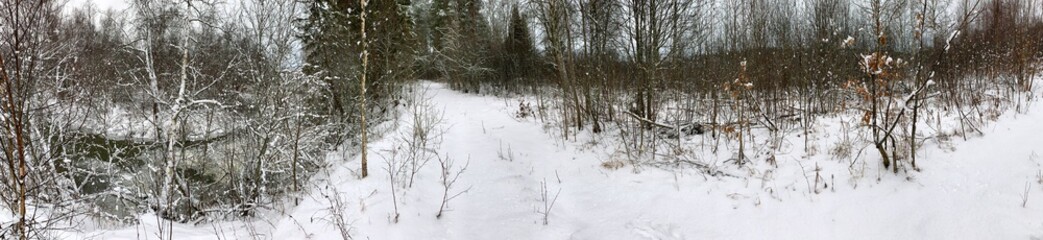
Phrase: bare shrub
(546, 202)
(424, 133)
(450, 174)
(337, 215)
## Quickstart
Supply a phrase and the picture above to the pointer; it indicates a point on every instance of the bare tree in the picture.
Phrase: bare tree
(362, 84)
(555, 18)
(25, 57)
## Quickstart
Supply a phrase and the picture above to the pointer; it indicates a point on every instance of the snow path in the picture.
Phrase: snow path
(974, 192)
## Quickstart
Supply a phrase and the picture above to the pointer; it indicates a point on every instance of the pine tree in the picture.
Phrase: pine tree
(519, 47)
(335, 38)
(332, 48)
(461, 42)
(442, 17)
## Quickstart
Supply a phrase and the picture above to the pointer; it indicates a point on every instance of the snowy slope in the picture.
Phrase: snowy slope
(972, 192)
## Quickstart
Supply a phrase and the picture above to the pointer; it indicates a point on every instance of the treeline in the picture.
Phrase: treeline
(624, 61)
(594, 49)
(695, 45)
(610, 60)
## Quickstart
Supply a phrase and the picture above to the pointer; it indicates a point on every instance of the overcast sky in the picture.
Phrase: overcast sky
(100, 4)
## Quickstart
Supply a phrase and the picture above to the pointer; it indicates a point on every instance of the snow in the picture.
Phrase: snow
(966, 190)
(848, 42)
(7, 218)
(948, 44)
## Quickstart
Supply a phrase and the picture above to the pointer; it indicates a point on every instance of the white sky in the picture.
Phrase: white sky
(100, 4)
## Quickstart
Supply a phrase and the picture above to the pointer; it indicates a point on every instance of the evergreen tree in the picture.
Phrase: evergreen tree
(519, 47)
(442, 18)
(361, 49)
(332, 44)
(460, 43)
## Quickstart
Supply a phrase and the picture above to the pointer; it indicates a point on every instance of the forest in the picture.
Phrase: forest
(202, 111)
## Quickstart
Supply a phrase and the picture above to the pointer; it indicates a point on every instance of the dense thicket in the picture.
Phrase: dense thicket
(171, 107)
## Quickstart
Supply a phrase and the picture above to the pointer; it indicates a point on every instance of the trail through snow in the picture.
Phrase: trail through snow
(973, 192)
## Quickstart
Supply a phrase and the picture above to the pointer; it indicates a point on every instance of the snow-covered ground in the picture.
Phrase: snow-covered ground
(970, 189)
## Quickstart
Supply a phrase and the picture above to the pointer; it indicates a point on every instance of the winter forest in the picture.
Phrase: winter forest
(521, 119)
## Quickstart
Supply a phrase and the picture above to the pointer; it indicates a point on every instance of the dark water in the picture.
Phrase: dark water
(119, 157)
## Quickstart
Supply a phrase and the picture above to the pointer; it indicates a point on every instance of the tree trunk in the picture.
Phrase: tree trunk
(362, 84)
